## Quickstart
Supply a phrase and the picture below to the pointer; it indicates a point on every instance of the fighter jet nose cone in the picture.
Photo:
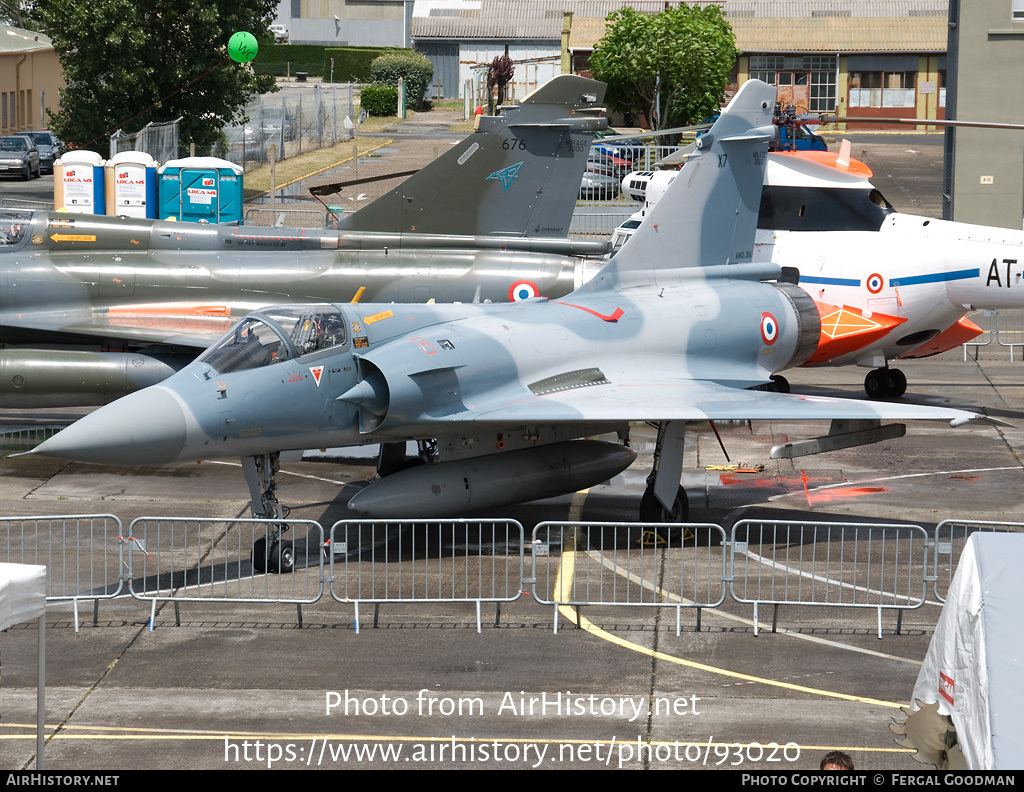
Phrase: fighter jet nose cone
(143, 428)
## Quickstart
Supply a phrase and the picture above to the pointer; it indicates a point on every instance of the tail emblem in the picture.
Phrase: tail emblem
(506, 175)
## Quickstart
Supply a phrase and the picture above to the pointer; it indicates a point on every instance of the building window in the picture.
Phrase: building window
(823, 91)
(1017, 10)
(807, 81)
(882, 89)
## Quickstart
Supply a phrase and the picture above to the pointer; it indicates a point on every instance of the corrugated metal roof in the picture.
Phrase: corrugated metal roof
(842, 34)
(775, 9)
(14, 39)
(796, 25)
(525, 19)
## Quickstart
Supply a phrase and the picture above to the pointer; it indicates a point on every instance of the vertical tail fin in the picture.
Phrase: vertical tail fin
(708, 215)
(518, 173)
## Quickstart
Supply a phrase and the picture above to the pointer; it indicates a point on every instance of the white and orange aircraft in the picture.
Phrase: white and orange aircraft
(888, 285)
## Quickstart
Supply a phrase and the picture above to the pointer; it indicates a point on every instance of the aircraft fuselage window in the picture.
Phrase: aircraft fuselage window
(787, 208)
(250, 344)
(316, 330)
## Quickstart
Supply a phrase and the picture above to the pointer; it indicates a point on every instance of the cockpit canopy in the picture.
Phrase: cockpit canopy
(277, 334)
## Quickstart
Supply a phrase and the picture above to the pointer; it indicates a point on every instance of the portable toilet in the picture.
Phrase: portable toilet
(131, 184)
(78, 183)
(201, 188)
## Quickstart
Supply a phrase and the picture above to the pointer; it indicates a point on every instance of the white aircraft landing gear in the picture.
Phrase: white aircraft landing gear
(885, 383)
(270, 553)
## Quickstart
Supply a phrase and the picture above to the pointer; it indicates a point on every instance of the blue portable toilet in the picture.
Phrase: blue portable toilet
(78, 183)
(131, 185)
(201, 188)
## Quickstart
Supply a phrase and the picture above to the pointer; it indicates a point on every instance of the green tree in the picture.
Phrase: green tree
(415, 69)
(130, 63)
(681, 56)
(18, 13)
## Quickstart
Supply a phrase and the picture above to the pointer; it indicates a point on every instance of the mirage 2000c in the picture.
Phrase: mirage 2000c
(676, 328)
(92, 308)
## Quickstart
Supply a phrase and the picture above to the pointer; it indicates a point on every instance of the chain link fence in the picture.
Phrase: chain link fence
(294, 121)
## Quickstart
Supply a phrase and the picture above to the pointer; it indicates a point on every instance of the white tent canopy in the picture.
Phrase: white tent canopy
(23, 598)
(975, 661)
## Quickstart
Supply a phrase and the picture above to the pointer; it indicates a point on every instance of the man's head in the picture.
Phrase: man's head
(836, 760)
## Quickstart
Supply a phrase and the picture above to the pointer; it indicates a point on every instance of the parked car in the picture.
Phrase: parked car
(18, 154)
(270, 120)
(598, 187)
(280, 33)
(626, 149)
(48, 145)
(607, 164)
(246, 144)
(806, 140)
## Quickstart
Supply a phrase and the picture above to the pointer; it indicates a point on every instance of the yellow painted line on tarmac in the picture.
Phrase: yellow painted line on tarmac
(143, 734)
(567, 565)
(576, 507)
(634, 578)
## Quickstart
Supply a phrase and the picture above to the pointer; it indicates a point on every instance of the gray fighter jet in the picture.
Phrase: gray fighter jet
(97, 307)
(677, 327)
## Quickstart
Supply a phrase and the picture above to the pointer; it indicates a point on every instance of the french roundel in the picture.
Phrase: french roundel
(523, 290)
(875, 283)
(769, 328)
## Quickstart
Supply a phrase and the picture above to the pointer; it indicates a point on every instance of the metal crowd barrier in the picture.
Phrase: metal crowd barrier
(1005, 327)
(600, 224)
(75, 549)
(177, 559)
(987, 333)
(950, 538)
(1009, 329)
(573, 564)
(390, 561)
(596, 563)
(846, 565)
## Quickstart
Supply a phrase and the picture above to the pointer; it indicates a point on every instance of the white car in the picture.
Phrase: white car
(280, 33)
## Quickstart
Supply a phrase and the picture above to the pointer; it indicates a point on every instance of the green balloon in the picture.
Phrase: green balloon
(242, 46)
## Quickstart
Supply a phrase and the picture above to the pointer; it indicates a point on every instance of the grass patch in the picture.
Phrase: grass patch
(446, 104)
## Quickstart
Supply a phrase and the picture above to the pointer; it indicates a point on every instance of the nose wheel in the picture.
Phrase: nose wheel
(271, 554)
(885, 383)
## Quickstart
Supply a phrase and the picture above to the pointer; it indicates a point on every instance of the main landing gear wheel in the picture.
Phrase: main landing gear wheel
(897, 383)
(885, 383)
(780, 383)
(651, 511)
